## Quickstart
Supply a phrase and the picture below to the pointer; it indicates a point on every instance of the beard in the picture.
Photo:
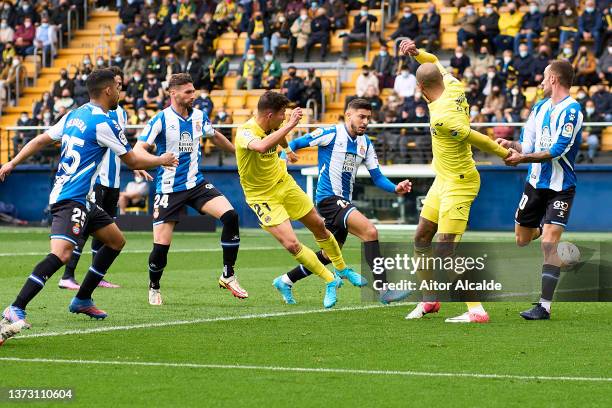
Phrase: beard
(357, 131)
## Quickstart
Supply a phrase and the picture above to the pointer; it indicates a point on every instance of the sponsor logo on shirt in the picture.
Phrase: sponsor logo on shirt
(186, 143)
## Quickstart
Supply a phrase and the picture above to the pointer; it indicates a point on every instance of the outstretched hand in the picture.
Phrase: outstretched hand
(514, 158)
(6, 170)
(403, 187)
(144, 174)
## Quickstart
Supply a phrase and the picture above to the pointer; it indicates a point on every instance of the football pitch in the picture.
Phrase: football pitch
(204, 347)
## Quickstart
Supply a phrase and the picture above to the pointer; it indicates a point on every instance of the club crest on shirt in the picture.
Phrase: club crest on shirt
(568, 130)
(362, 150)
(122, 137)
(198, 126)
(76, 229)
(186, 143)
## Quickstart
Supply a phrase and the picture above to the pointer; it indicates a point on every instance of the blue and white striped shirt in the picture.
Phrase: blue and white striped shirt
(86, 134)
(172, 133)
(340, 155)
(557, 129)
(111, 164)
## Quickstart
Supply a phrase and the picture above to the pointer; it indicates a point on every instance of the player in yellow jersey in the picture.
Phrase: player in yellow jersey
(447, 206)
(274, 195)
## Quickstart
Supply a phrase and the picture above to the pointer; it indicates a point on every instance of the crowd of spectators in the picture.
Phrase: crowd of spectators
(502, 49)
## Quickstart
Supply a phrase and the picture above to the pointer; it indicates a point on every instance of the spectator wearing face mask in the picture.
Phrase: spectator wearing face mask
(484, 59)
(81, 95)
(474, 96)
(156, 66)
(195, 68)
(408, 25)
(134, 91)
(7, 34)
(585, 67)
(24, 36)
(22, 137)
(567, 52)
(293, 86)
(312, 89)
(489, 80)
(516, 102)
(365, 79)
(494, 104)
(590, 25)
(45, 39)
(153, 92)
(173, 66)
(258, 33)
(602, 98)
(540, 62)
(417, 137)
(524, 65)
(101, 63)
(531, 26)
(63, 83)
(582, 97)
(127, 13)
(383, 67)
(592, 142)
(133, 64)
(300, 31)
(204, 103)
(26, 11)
(47, 117)
(429, 28)
(249, 72)
(280, 29)
(591, 115)
(320, 28)
(509, 26)
(153, 33)
(45, 102)
(216, 70)
(172, 31)
(569, 27)
(222, 117)
(135, 194)
(551, 21)
(272, 71)
(65, 102)
(468, 26)
(358, 33)
(405, 84)
(460, 61)
(488, 27)
(476, 116)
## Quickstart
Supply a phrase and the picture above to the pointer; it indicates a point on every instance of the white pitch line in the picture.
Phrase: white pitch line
(206, 320)
(146, 251)
(311, 370)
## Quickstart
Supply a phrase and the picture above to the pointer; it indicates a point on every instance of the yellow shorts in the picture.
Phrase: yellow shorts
(286, 201)
(448, 204)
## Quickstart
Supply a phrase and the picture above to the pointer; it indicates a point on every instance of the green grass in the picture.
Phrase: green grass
(576, 343)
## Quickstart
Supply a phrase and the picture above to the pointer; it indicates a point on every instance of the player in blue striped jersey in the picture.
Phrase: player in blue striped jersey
(105, 193)
(341, 150)
(86, 134)
(179, 129)
(550, 142)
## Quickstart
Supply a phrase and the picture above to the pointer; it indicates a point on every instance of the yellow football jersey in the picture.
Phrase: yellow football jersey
(450, 126)
(259, 172)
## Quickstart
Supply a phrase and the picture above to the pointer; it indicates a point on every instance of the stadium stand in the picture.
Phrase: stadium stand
(209, 39)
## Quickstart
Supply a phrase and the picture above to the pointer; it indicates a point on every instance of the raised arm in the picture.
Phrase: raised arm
(408, 47)
(31, 148)
(273, 139)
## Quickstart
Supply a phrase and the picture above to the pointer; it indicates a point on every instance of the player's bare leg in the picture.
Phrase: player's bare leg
(113, 241)
(328, 244)
(158, 259)
(551, 270)
(285, 235)
(524, 235)
(423, 237)
(361, 227)
(222, 210)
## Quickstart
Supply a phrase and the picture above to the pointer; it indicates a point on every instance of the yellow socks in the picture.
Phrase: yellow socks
(310, 261)
(332, 250)
(475, 307)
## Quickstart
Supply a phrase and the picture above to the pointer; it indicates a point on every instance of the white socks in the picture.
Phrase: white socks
(546, 304)
(285, 278)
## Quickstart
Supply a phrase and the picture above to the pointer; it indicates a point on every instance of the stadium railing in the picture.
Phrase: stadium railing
(397, 143)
